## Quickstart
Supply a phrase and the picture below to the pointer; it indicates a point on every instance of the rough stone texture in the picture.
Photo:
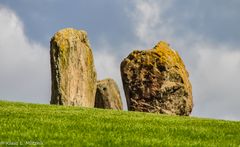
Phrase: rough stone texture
(72, 66)
(156, 81)
(108, 95)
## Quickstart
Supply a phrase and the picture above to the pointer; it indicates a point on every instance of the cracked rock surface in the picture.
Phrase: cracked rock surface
(156, 81)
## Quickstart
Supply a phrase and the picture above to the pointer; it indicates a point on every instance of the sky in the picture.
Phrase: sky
(205, 33)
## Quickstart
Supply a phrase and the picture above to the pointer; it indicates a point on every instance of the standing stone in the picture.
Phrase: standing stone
(108, 95)
(72, 67)
(156, 81)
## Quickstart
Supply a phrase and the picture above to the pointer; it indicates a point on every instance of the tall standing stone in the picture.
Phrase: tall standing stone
(108, 95)
(72, 68)
(156, 81)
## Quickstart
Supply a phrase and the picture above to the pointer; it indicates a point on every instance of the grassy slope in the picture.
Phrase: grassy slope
(22, 123)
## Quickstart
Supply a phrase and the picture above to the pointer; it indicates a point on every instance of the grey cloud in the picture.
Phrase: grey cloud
(216, 84)
(213, 67)
(99, 18)
(217, 19)
(205, 33)
(24, 65)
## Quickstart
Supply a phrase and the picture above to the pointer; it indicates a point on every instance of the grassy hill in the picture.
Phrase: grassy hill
(29, 124)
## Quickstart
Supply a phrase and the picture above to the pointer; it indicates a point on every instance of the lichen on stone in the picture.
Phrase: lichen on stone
(156, 80)
(73, 70)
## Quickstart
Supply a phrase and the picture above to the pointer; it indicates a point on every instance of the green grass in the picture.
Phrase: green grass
(28, 124)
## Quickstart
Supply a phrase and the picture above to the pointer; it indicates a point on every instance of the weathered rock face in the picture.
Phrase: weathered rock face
(108, 95)
(156, 81)
(72, 67)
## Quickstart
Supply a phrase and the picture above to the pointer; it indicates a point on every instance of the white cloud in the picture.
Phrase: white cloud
(25, 67)
(25, 71)
(214, 68)
(216, 82)
(106, 65)
(147, 23)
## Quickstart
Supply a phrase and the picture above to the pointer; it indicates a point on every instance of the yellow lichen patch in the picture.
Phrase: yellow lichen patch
(64, 39)
(70, 34)
(172, 58)
(73, 68)
(152, 77)
(167, 54)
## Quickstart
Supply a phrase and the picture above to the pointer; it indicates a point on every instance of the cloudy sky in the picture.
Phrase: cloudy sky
(205, 33)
